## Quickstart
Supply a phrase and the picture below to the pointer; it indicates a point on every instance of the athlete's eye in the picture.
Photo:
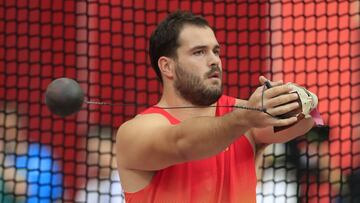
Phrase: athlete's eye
(199, 52)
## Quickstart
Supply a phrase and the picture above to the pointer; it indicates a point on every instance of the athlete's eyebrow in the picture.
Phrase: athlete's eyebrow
(203, 47)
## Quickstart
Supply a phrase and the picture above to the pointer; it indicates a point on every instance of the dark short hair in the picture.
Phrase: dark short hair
(164, 39)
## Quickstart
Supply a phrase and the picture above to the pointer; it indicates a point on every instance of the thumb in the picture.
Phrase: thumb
(263, 79)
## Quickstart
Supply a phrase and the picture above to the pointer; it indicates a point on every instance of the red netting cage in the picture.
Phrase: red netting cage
(103, 45)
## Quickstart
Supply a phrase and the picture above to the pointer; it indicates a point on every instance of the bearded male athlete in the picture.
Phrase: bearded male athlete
(200, 154)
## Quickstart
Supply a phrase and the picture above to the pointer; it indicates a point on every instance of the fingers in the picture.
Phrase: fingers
(285, 122)
(262, 80)
(278, 101)
(283, 109)
(277, 90)
(282, 99)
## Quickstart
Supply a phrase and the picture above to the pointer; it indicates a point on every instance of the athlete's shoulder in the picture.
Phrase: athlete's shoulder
(226, 100)
(225, 96)
(143, 120)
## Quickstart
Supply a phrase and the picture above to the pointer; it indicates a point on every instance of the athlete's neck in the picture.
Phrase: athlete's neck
(170, 98)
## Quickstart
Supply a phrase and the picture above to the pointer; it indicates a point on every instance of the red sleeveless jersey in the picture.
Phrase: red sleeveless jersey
(228, 177)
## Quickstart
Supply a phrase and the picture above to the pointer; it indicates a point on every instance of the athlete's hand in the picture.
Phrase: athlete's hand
(275, 101)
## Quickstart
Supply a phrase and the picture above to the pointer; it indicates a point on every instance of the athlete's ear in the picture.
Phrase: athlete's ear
(166, 66)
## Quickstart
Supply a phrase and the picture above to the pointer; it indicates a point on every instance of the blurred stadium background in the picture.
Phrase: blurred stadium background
(103, 45)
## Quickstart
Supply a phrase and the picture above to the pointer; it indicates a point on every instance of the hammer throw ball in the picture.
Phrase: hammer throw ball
(64, 96)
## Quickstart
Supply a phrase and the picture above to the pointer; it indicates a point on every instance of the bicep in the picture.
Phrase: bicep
(146, 144)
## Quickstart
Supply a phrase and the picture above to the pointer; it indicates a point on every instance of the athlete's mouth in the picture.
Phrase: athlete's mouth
(215, 74)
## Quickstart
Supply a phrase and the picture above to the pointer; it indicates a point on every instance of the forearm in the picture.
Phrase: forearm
(259, 153)
(205, 136)
(267, 135)
(299, 129)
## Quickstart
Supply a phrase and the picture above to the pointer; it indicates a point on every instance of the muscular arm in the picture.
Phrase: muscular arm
(149, 142)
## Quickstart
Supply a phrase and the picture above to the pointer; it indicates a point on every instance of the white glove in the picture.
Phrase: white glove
(309, 100)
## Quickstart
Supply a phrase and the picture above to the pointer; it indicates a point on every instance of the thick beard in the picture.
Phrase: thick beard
(192, 89)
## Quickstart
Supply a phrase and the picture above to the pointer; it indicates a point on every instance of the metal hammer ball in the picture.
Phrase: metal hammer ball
(64, 96)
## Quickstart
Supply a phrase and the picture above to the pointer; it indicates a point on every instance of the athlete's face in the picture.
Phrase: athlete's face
(198, 69)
